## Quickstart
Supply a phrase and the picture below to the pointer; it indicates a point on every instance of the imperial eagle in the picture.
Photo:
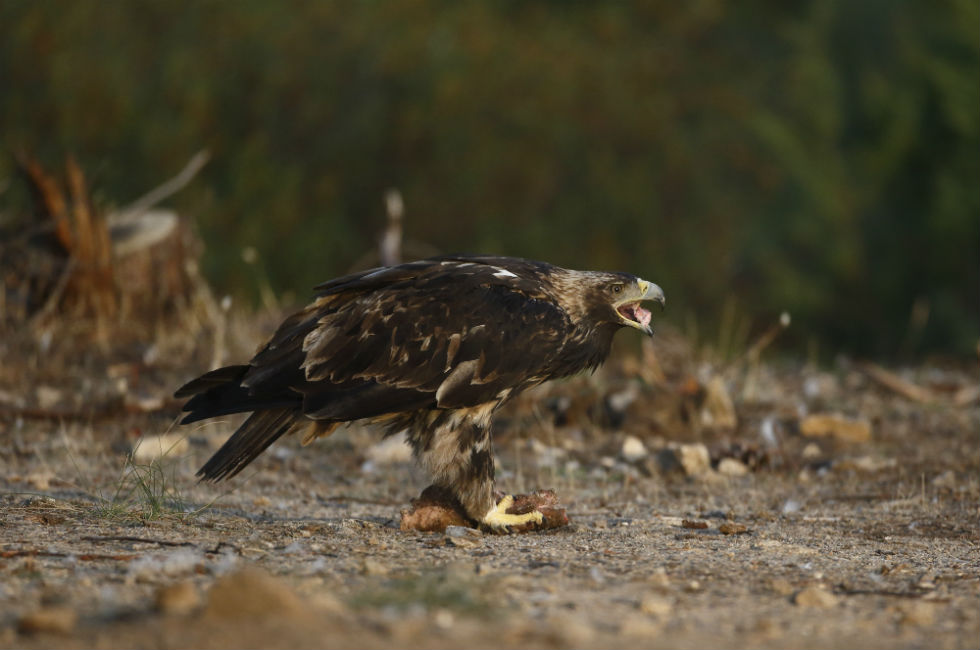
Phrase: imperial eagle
(432, 348)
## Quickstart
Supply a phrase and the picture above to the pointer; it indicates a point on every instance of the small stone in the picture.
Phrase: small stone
(694, 458)
(917, 613)
(177, 599)
(816, 597)
(791, 506)
(732, 528)
(633, 449)
(463, 536)
(51, 620)
(656, 605)
(252, 594)
(47, 397)
(572, 630)
(732, 467)
(695, 524)
(837, 426)
(812, 450)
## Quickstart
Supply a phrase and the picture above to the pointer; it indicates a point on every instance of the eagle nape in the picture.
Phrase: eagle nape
(430, 348)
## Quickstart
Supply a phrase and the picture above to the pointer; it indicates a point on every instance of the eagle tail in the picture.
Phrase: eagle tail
(260, 430)
(220, 392)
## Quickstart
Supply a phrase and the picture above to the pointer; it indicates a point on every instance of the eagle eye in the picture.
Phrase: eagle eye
(617, 288)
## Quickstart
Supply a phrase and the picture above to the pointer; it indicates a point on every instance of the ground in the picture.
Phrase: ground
(710, 506)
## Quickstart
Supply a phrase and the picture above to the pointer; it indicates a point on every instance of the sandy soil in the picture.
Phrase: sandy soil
(688, 531)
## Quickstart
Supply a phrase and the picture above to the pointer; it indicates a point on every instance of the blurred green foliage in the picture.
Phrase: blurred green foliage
(818, 157)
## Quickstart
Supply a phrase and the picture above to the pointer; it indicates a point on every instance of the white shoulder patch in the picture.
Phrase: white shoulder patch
(503, 273)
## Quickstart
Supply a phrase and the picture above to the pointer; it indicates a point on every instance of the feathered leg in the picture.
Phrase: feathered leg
(458, 452)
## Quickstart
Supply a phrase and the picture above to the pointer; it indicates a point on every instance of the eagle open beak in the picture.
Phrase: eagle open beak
(630, 311)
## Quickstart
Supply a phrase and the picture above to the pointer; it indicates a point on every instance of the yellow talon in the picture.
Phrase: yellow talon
(499, 521)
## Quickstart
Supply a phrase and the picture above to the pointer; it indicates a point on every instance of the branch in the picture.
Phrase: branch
(161, 192)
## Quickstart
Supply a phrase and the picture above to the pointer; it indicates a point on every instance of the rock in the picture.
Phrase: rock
(732, 528)
(150, 448)
(917, 613)
(177, 599)
(463, 536)
(732, 467)
(694, 458)
(781, 586)
(811, 451)
(816, 597)
(656, 605)
(47, 397)
(51, 620)
(836, 426)
(252, 594)
(633, 449)
(695, 524)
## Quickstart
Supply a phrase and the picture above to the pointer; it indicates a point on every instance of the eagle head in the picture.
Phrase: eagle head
(615, 299)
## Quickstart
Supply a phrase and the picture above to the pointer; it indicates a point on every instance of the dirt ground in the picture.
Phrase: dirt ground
(710, 506)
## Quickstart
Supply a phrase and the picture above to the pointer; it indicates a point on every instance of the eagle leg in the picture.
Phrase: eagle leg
(457, 449)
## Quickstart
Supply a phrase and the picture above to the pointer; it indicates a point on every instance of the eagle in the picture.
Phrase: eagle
(432, 348)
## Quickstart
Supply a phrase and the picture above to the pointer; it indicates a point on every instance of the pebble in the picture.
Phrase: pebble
(812, 450)
(47, 396)
(816, 597)
(52, 620)
(633, 449)
(694, 458)
(178, 599)
(732, 467)
(253, 594)
(917, 613)
(656, 605)
(732, 528)
(463, 536)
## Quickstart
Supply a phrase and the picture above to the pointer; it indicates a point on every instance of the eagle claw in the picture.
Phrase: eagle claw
(499, 521)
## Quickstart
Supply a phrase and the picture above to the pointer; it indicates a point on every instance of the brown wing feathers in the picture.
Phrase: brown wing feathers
(384, 341)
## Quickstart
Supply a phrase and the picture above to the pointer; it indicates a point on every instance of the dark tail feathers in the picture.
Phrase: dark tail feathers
(220, 392)
(260, 430)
